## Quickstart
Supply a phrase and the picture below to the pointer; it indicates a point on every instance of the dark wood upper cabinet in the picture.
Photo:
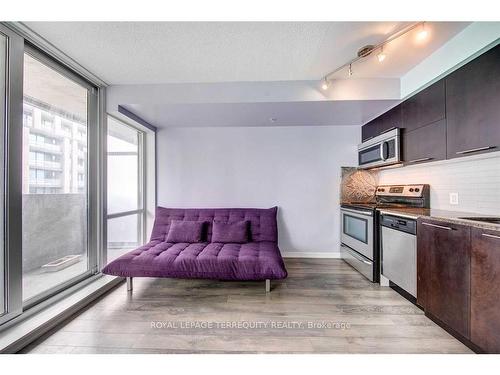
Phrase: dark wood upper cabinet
(387, 121)
(427, 143)
(390, 120)
(457, 116)
(472, 106)
(426, 107)
(444, 250)
(485, 290)
(370, 130)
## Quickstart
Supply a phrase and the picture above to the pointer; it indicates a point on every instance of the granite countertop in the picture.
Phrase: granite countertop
(442, 215)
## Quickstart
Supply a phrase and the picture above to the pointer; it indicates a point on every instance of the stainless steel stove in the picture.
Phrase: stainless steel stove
(359, 225)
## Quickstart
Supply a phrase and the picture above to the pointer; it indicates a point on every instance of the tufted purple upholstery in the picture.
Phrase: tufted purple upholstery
(258, 259)
(263, 225)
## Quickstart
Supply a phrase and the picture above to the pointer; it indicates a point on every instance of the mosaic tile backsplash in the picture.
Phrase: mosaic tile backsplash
(357, 185)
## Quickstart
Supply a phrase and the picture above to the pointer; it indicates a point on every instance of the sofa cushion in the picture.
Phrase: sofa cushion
(248, 261)
(185, 231)
(236, 232)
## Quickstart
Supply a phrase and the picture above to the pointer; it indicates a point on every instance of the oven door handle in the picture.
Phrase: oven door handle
(355, 255)
(364, 213)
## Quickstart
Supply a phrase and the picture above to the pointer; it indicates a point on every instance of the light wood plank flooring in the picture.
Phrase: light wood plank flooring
(372, 319)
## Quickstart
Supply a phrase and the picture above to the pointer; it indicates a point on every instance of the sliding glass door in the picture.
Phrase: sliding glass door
(55, 189)
(51, 158)
(125, 152)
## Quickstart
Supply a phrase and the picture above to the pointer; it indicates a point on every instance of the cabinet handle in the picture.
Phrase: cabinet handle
(437, 226)
(475, 150)
(490, 235)
(419, 160)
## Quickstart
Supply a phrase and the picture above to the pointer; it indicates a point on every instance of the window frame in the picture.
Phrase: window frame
(12, 292)
(141, 191)
(20, 36)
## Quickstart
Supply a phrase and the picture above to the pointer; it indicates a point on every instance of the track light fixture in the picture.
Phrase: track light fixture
(369, 49)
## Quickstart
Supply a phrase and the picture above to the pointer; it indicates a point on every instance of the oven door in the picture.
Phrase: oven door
(357, 231)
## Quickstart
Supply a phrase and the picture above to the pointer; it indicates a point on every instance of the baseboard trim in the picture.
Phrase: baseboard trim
(294, 254)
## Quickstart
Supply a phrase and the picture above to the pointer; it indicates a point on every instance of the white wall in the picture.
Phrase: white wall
(476, 179)
(295, 168)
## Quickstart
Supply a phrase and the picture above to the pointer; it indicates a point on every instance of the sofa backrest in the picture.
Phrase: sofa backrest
(263, 224)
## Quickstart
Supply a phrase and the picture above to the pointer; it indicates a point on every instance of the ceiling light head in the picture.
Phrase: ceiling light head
(325, 85)
(422, 34)
(381, 56)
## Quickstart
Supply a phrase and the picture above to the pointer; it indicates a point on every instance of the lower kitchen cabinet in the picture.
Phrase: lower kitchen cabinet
(485, 290)
(444, 282)
(427, 143)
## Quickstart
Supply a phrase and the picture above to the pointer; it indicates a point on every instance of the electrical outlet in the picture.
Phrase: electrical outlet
(453, 198)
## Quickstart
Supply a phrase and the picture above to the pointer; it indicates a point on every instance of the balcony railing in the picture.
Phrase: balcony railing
(45, 130)
(46, 147)
(41, 246)
(43, 164)
(46, 182)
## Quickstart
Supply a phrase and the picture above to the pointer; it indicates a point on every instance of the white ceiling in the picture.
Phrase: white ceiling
(175, 52)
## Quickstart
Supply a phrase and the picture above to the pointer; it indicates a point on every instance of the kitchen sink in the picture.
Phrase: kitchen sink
(493, 220)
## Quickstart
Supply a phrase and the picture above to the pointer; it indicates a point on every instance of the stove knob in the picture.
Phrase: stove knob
(417, 190)
(381, 190)
(411, 190)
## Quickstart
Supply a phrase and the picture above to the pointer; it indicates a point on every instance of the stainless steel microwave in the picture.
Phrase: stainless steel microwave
(381, 150)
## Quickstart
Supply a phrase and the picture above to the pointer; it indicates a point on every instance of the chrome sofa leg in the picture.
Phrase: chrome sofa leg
(268, 285)
(129, 284)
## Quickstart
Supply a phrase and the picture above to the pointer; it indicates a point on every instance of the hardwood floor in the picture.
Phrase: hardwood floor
(324, 292)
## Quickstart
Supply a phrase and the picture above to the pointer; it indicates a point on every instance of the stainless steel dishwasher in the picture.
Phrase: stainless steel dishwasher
(399, 251)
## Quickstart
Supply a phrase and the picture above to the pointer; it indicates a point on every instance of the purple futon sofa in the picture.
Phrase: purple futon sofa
(221, 243)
